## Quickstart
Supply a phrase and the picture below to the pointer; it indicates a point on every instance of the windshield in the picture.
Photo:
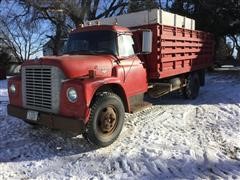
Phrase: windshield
(93, 42)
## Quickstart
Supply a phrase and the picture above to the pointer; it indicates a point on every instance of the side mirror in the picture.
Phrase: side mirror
(147, 39)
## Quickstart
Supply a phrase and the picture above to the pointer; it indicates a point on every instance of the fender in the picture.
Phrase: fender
(86, 89)
(91, 86)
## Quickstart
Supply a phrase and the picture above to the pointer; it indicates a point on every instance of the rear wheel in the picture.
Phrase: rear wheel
(191, 90)
(106, 120)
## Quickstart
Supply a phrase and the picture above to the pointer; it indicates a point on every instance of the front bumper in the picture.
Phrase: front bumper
(49, 120)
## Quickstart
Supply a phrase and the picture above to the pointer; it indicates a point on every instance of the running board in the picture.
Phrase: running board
(140, 107)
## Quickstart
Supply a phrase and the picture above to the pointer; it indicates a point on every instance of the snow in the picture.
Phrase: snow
(3, 91)
(3, 98)
(173, 139)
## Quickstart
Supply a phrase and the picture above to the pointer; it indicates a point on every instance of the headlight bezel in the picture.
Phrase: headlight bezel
(71, 92)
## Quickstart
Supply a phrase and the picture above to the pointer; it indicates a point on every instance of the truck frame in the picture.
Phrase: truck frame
(106, 71)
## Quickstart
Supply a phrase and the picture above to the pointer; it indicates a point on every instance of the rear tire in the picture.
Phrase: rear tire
(191, 91)
(106, 120)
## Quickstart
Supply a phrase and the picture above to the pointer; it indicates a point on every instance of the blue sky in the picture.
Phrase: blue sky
(6, 10)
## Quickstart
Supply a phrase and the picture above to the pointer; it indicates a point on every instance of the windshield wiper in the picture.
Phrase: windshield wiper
(92, 52)
(104, 52)
(79, 52)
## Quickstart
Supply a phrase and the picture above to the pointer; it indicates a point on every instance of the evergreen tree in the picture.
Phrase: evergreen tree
(220, 17)
(217, 16)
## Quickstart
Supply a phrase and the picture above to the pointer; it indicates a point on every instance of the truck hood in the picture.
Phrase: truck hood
(78, 65)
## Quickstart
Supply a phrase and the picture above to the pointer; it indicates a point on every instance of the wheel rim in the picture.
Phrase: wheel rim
(107, 121)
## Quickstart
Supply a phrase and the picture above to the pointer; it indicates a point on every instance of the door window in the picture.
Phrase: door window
(125, 45)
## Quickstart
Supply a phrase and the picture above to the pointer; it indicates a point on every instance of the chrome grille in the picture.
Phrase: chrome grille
(41, 87)
(38, 87)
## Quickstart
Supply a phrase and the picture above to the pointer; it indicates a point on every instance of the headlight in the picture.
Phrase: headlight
(12, 88)
(72, 95)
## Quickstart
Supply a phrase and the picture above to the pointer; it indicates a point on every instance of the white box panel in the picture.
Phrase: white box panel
(167, 18)
(180, 21)
(154, 16)
(190, 23)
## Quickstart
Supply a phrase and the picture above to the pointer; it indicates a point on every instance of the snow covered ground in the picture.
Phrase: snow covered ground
(3, 91)
(173, 139)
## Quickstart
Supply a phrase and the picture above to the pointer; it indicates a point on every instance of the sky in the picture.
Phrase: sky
(11, 6)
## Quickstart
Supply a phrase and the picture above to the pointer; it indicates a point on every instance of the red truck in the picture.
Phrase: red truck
(105, 71)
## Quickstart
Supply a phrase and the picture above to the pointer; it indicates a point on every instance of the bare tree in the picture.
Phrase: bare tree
(78, 10)
(19, 34)
(67, 14)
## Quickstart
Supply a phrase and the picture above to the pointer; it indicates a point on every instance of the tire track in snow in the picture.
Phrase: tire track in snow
(165, 141)
(214, 134)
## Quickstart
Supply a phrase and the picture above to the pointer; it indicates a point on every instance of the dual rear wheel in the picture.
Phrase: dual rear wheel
(191, 91)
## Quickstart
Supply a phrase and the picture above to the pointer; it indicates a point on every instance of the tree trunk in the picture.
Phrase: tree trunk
(57, 40)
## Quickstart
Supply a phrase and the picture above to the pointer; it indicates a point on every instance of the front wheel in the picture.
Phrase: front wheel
(106, 120)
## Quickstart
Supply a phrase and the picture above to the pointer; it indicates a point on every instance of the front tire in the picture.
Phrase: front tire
(106, 120)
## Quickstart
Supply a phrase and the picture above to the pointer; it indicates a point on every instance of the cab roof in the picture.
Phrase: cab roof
(101, 28)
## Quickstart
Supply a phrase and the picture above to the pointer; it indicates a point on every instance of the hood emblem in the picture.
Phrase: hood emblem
(103, 69)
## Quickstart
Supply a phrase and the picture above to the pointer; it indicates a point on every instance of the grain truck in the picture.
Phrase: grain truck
(109, 65)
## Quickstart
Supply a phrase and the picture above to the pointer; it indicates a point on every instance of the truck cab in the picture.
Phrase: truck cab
(87, 89)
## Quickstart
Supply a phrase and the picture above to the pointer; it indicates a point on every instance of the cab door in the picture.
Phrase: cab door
(135, 75)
